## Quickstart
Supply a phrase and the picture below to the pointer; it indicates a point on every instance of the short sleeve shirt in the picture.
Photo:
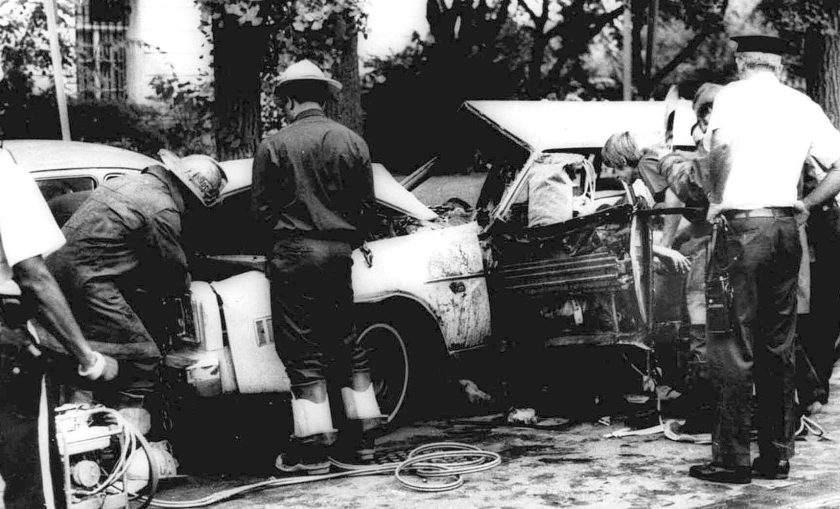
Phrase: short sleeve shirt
(650, 175)
(770, 130)
(27, 227)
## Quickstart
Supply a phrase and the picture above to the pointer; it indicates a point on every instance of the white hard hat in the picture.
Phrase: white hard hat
(200, 173)
(305, 70)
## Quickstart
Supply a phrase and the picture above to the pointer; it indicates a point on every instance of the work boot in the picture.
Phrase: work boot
(313, 432)
(356, 440)
(717, 473)
(305, 456)
(770, 469)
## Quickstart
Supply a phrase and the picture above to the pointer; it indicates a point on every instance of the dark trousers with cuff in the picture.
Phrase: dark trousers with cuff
(23, 443)
(312, 310)
(761, 350)
(819, 337)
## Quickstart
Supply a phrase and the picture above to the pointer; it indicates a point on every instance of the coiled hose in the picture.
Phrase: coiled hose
(438, 460)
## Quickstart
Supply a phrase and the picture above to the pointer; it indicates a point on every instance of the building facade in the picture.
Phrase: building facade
(122, 45)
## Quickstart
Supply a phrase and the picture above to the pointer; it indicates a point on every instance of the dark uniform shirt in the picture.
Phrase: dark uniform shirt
(313, 176)
(124, 241)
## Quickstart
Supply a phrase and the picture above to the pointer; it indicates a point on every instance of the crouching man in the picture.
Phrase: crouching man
(27, 233)
(124, 255)
(312, 188)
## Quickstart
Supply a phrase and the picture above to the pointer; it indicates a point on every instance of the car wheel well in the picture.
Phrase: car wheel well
(422, 341)
(426, 338)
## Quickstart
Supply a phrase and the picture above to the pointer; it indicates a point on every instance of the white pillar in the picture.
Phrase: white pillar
(58, 71)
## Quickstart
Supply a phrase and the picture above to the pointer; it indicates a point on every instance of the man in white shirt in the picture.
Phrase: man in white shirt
(759, 136)
(27, 234)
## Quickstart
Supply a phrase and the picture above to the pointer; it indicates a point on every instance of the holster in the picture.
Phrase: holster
(718, 287)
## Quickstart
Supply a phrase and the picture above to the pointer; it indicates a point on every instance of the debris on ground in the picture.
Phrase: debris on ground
(474, 394)
(521, 416)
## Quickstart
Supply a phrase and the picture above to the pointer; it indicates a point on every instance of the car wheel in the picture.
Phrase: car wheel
(390, 367)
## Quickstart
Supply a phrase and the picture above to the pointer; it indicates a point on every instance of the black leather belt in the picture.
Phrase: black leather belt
(763, 212)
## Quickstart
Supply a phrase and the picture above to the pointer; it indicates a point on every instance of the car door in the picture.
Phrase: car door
(584, 280)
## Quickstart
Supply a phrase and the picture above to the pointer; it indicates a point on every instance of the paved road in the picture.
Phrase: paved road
(567, 466)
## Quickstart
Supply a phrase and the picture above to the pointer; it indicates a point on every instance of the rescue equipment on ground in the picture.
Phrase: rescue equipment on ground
(449, 461)
(808, 426)
(106, 461)
(670, 428)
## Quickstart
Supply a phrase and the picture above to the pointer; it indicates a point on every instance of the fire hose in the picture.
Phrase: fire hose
(443, 460)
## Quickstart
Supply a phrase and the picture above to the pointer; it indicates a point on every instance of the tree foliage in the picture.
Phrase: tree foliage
(704, 19)
(277, 33)
(567, 27)
(24, 41)
(25, 53)
(813, 26)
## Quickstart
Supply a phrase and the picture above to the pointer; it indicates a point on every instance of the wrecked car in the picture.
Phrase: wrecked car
(446, 281)
(440, 284)
(216, 339)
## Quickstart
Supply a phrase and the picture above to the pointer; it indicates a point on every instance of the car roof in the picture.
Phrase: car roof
(540, 126)
(42, 155)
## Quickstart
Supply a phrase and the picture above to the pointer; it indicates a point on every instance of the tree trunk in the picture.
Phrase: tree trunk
(535, 65)
(638, 8)
(238, 58)
(347, 109)
(822, 66)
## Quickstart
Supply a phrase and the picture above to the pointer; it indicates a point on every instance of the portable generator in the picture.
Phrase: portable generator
(106, 462)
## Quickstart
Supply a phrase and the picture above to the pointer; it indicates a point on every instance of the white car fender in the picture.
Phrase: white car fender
(442, 270)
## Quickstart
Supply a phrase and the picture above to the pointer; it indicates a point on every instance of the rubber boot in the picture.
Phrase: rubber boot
(356, 442)
(313, 432)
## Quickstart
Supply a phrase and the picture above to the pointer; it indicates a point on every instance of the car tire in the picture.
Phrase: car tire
(400, 354)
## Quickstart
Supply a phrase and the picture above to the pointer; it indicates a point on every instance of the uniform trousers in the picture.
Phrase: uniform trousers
(764, 256)
(312, 309)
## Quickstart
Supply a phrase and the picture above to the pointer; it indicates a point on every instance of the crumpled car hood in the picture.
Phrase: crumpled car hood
(392, 194)
(388, 191)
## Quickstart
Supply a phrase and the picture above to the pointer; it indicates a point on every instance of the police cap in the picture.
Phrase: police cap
(761, 43)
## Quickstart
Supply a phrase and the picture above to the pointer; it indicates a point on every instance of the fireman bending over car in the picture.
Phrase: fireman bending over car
(312, 191)
(653, 166)
(124, 255)
(633, 162)
(27, 233)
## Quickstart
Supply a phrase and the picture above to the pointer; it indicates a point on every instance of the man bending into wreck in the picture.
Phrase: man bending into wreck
(27, 233)
(124, 256)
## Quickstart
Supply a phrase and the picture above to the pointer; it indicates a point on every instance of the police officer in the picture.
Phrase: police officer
(755, 165)
(28, 232)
